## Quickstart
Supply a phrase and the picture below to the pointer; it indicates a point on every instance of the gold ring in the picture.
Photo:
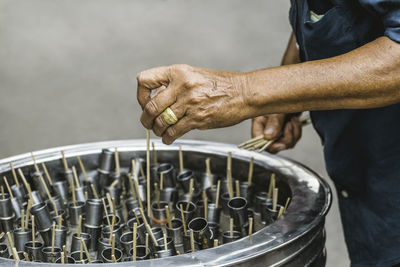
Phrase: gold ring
(169, 116)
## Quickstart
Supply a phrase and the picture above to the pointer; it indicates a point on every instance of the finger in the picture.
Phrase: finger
(163, 99)
(149, 80)
(297, 128)
(175, 131)
(160, 125)
(273, 128)
(258, 125)
(285, 142)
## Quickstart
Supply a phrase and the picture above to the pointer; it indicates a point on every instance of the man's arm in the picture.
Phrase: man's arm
(366, 77)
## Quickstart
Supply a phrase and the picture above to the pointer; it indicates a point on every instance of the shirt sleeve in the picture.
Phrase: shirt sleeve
(389, 12)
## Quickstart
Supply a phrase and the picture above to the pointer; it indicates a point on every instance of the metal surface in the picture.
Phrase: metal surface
(296, 239)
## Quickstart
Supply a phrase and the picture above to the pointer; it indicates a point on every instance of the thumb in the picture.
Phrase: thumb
(273, 127)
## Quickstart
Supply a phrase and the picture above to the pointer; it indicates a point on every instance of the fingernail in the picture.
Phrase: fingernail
(269, 131)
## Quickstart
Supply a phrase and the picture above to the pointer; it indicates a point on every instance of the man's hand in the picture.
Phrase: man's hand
(200, 99)
(287, 131)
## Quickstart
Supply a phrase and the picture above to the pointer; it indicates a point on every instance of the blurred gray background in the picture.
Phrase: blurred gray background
(68, 69)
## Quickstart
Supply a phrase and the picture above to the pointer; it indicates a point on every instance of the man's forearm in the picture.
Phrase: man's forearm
(367, 77)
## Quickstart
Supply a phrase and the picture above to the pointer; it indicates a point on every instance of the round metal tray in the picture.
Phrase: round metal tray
(296, 239)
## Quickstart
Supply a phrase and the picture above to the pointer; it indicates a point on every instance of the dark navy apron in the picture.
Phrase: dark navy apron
(361, 147)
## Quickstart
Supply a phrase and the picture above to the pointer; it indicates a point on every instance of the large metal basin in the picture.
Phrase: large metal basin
(297, 239)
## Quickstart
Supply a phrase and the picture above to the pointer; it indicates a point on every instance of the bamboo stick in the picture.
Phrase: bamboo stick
(96, 196)
(60, 219)
(146, 241)
(28, 188)
(237, 188)
(180, 159)
(114, 260)
(86, 251)
(47, 192)
(64, 161)
(26, 257)
(106, 212)
(78, 185)
(218, 192)
(73, 194)
(46, 172)
(251, 167)
(113, 244)
(116, 158)
(183, 219)
(33, 230)
(259, 137)
(250, 226)
(191, 188)
(155, 161)
(22, 220)
(28, 211)
(165, 241)
(229, 174)
(53, 233)
(65, 253)
(231, 226)
(157, 195)
(191, 240)
(14, 174)
(168, 216)
(281, 210)
(208, 171)
(286, 204)
(205, 204)
(83, 169)
(134, 241)
(78, 233)
(215, 243)
(62, 257)
(8, 187)
(133, 194)
(161, 181)
(148, 172)
(271, 185)
(140, 167)
(274, 199)
(137, 193)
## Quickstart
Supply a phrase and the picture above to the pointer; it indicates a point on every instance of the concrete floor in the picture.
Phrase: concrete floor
(67, 69)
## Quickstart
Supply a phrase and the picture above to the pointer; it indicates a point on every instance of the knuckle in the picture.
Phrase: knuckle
(151, 108)
(171, 132)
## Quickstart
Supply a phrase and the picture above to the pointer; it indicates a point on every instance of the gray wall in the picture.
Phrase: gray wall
(68, 68)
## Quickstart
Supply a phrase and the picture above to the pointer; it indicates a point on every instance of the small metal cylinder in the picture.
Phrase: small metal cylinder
(19, 193)
(6, 209)
(238, 211)
(189, 214)
(20, 238)
(141, 253)
(59, 203)
(49, 256)
(227, 237)
(205, 181)
(131, 204)
(159, 214)
(110, 217)
(211, 194)
(16, 206)
(80, 194)
(76, 241)
(80, 258)
(4, 251)
(268, 215)
(261, 197)
(61, 189)
(164, 253)
(7, 224)
(34, 253)
(225, 184)
(224, 203)
(102, 244)
(176, 232)
(42, 216)
(168, 172)
(20, 256)
(141, 230)
(95, 233)
(214, 227)
(161, 246)
(103, 178)
(213, 213)
(169, 195)
(117, 231)
(184, 179)
(66, 260)
(60, 237)
(186, 244)
(94, 212)
(201, 232)
(39, 185)
(106, 160)
(126, 241)
(37, 199)
(75, 211)
(106, 255)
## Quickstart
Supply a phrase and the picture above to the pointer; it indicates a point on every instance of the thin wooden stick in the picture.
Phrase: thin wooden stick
(46, 172)
(157, 195)
(106, 212)
(191, 188)
(286, 204)
(48, 193)
(168, 216)
(78, 185)
(215, 243)
(116, 158)
(183, 219)
(259, 137)
(8, 187)
(28, 211)
(208, 171)
(78, 233)
(271, 185)
(62, 257)
(148, 172)
(86, 251)
(60, 219)
(250, 226)
(237, 188)
(147, 241)
(140, 167)
(205, 204)
(155, 161)
(148, 229)
(165, 242)
(96, 196)
(83, 169)
(274, 199)
(134, 241)
(113, 184)
(10, 240)
(281, 210)
(114, 260)
(64, 161)
(14, 174)
(231, 226)
(250, 176)
(270, 142)
(73, 194)
(133, 194)
(137, 193)
(33, 230)
(229, 174)
(180, 159)
(113, 244)
(191, 240)
(22, 220)
(53, 233)
(26, 256)
(218, 191)
(81, 252)
(161, 181)
(64, 248)
(14, 251)
(25, 183)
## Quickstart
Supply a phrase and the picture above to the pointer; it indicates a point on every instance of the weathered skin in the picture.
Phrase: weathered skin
(366, 77)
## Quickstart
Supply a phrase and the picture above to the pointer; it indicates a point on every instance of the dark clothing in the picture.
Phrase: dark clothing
(361, 147)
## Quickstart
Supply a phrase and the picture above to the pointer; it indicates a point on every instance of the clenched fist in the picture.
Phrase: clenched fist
(200, 99)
